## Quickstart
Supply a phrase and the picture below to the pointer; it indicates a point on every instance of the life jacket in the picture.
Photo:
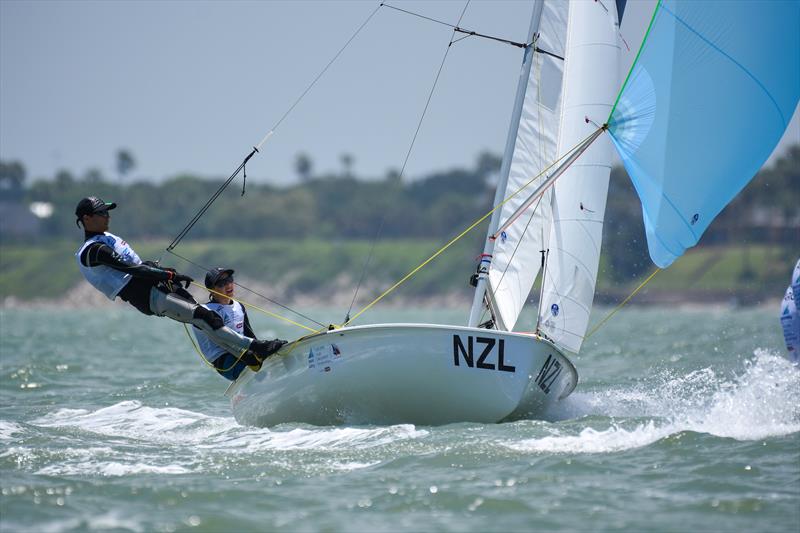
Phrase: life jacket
(790, 317)
(233, 317)
(105, 279)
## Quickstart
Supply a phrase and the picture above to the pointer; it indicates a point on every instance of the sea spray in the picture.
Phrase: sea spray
(762, 402)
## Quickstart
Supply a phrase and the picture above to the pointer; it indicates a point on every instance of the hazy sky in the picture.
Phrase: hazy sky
(190, 86)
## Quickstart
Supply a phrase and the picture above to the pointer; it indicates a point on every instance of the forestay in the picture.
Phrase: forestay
(579, 197)
(713, 90)
(517, 251)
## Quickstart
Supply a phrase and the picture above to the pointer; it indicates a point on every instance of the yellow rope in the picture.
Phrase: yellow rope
(470, 228)
(239, 357)
(203, 357)
(279, 317)
(625, 301)
(410, 274)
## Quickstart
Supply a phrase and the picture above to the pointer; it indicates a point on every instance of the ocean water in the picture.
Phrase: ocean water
(683, 420)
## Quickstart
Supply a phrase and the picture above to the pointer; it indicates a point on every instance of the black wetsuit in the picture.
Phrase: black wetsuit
(143, 276)
(137, 292)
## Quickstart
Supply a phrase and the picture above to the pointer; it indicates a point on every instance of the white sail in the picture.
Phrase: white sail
(579, 196)
(517, 252)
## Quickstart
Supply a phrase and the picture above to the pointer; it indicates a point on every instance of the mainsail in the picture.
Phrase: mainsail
(714, 88)
(517, 251)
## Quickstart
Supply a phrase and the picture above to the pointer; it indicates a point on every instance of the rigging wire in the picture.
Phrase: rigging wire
(458, 29)
(256, 149)
(620, 306)
(470, 228)
(408, 155)
(335, 57)
(236, 359)
(256, 307)
(252, 291)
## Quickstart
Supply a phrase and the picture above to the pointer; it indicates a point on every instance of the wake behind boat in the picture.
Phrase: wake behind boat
(405, 373)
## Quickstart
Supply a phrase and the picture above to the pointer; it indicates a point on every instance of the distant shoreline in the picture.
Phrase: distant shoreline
(83, 296)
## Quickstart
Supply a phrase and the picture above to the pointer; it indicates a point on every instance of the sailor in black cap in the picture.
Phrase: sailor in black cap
(219, 282)
(111, 266)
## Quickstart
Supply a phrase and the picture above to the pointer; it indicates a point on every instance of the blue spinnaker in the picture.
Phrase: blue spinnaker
(714, 88)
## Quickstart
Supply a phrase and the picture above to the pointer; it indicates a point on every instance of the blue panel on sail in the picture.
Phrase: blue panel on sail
(712, 92)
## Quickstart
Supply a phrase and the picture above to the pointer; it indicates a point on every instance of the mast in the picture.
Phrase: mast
(483, 268)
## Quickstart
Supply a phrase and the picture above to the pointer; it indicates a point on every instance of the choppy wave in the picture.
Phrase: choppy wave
(8, 430)
(140, 439)
(132, 420)
(762, 402)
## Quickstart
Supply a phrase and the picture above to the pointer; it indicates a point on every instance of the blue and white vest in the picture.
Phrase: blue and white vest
(790, 316)
(104, 278)
(233, 317)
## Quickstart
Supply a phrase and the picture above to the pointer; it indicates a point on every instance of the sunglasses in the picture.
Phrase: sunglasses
(103, 213)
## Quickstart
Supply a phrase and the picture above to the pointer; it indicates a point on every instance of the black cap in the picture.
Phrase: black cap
(91, 205)
(215, 274)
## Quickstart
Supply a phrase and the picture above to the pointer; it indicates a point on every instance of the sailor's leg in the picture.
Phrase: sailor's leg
(176, 308)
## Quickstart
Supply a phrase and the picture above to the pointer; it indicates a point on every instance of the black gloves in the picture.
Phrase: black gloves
(263, 349)
(177, 277)
(182, 278)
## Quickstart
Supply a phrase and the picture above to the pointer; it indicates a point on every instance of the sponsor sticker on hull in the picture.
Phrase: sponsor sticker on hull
(324, 357)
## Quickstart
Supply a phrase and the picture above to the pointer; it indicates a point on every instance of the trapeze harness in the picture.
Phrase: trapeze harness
(111, 266)
(227, 364)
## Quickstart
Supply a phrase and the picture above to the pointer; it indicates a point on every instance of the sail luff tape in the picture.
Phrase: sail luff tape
(267, 136)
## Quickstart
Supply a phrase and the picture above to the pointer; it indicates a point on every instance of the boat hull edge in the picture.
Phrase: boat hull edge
(405, 373)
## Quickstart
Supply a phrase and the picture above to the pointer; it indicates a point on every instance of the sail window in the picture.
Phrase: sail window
(550, 86)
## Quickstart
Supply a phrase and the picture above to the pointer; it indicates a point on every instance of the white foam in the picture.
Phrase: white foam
(613, 439)
(348, 467)
(65, 453)
(178, 427)
(112, 469)
(322, 439)
(111, 520)
(8, 430)
(131, 419)
(762, 402)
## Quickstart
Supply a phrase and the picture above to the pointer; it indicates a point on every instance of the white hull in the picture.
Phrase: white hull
(405, 373)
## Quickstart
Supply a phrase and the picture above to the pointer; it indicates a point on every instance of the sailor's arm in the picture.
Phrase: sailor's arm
(101, 254)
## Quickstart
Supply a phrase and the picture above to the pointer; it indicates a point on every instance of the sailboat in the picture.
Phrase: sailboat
(710, 93)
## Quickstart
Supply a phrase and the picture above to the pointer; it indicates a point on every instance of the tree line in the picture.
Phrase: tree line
(344, 206)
